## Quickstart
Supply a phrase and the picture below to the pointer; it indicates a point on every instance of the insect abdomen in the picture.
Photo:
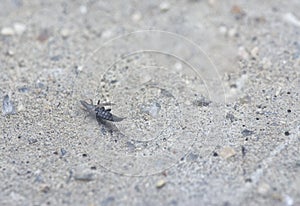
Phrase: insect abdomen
(104, 114)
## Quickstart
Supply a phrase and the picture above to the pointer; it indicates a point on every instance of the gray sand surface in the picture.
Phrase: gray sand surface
(209, 88)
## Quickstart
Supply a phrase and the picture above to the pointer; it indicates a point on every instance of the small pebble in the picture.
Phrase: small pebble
(56, 58)
(106, 34)
(244, 151)
(64, 33)
(201, 102)
(63, 151)
(45, 188)
(23, 89)
(231, 117)
(215, 154)
(136, 16)
(243, 53)
(232, 32)
(166, 93)
(40, 84)
(164, 6)
(83, 9)
(227, 152)
(108, 201)
(19, 28)
(266, 63)
(223, 30)
(43, 35)
(178, 66)
(278, 90)
(20, 107)
(32, 141)
(10, 53)
(235, 9)
(263, 188)
(289, 201)
(254, 52)
(84, 177)
(160, 184)
(130, 146)
(145, 79)
(7, 106)
(247, 132)
(7, 31)
(292, 19)
(212, 2)
(152, 109)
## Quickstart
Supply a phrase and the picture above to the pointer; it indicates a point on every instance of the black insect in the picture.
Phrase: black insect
(100, 112)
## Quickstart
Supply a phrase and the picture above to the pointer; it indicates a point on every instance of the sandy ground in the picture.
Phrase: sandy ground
(209, 89)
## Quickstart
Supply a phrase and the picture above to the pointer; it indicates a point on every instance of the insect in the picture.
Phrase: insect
(100, 112)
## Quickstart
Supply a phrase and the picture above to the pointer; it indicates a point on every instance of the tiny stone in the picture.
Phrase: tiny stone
(23, 89)
(254, 52)
(223, 30)
(56, 58)
(106, 34)
(64, 33)
(43, 35)
(178, 66)
(160, 184)
(10, 53)
(130, 146)
(21, 63)
(231, 117)
(166, 93)
(201, 102)
(164, 6)
(227, 152)
(292, 19)
(83, 9)
(136, 16)
(145, 79)
(45, 188)
(248, 180)
(232, 32)
(39, 84)
(192, 157)
(288, 200)
(266, 63)
(7, 106)
(20, 107)
(19, 28)
(188, 103)
(152, 109)
(212, 2)
(278, 91)
(63, 151)
(7, 31)
(247, 132)
(244, 150)
(263, 188)
(84, 177)
(243, 53)
(108, 201)
(32, 141)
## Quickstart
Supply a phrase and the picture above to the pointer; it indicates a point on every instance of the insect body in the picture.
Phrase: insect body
(100, 112)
